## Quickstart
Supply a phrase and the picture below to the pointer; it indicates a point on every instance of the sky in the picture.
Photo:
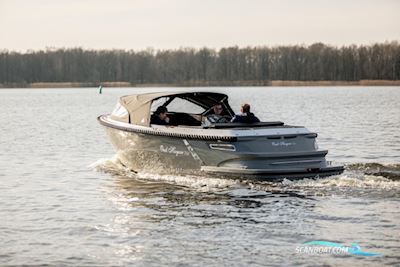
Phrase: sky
(171, 24)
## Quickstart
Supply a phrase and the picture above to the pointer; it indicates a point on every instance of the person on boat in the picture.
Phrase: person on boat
(160, 116)
(245, 115)
(217, 108)
(217, 116)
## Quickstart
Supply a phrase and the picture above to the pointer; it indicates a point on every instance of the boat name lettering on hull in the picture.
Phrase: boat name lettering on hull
(173, 150)
(282, 143)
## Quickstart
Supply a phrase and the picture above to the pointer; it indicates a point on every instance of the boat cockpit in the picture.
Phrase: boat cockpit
(194, 109)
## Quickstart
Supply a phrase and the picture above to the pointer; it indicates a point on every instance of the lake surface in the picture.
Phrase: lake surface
(67, 201)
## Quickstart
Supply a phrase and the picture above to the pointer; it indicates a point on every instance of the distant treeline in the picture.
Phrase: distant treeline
(317, 62)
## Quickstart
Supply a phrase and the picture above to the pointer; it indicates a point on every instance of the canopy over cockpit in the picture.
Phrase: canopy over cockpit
(136, 108)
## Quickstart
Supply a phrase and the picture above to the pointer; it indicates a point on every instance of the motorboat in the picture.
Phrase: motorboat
(192, 144)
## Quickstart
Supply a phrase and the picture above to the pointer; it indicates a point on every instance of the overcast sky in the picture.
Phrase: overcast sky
(162, 24)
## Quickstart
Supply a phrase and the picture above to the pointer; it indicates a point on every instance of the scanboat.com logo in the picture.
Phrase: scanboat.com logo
(326, 247)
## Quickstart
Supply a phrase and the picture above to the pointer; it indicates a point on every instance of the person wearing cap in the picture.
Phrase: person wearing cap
(160, 116)
(245, 115)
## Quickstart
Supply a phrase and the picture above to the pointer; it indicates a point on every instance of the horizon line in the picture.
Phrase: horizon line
(197, 48)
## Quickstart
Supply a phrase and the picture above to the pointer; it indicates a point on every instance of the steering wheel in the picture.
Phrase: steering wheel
(223, 119)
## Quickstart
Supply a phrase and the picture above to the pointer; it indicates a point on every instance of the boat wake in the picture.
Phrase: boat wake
(115, 167)
(390, 171)
(360, 178)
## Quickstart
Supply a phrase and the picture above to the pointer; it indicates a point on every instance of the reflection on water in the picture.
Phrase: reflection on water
(57, 211)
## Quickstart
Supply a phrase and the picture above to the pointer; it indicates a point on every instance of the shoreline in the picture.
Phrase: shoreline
(276, 83)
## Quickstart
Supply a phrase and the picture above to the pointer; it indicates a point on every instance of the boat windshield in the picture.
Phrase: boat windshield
(120, 113)
(177, 105)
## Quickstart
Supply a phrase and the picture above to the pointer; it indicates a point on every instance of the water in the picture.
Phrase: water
(66, 200)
